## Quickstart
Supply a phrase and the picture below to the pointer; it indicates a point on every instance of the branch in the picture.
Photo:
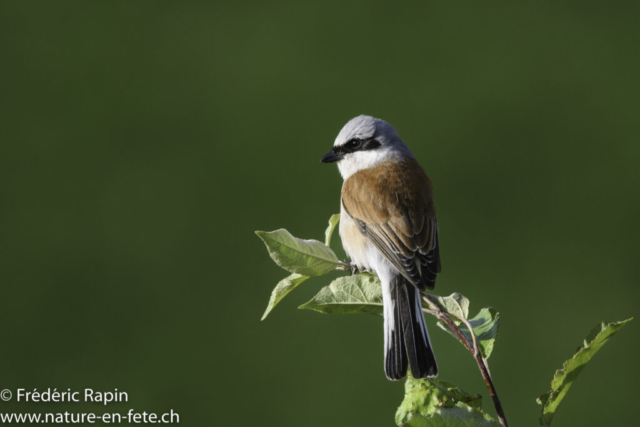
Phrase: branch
(473, 348)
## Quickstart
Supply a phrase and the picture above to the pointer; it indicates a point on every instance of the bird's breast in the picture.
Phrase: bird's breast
(355, 244)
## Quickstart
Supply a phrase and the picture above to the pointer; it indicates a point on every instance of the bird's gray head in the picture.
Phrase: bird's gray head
(365, 142)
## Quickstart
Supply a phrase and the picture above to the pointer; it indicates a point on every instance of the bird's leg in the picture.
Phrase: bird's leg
(354, 269)
(352, 266)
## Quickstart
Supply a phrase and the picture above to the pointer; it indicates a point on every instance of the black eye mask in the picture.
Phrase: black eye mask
(358, 144)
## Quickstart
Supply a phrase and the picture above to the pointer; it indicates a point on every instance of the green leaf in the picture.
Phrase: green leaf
(425, 396)
(485, 324)
(455, 303)
(433, 402)
(333, 221)
(565, 377)
(458, 416)
(281, 290)
(349, 295)
(305, 257)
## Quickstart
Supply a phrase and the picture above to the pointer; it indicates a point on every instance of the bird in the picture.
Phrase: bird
(388, 226)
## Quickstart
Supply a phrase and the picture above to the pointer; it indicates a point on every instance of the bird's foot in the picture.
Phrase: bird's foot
(352, 267)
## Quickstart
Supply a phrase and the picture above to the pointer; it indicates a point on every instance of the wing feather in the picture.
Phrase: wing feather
(393, 206)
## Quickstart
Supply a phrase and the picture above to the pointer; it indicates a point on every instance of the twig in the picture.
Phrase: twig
(473, 348)
(476, 349)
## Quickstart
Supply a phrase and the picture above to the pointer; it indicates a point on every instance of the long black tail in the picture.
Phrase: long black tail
(406, 336)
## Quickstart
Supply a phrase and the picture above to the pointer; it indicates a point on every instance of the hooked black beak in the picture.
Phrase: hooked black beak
(332, 156)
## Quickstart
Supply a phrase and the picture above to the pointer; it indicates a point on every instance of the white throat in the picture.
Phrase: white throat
(360, 160)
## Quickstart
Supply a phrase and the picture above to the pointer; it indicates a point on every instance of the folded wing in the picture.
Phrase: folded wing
(392, 204)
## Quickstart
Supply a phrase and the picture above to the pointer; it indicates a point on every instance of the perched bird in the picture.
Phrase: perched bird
(388, 225)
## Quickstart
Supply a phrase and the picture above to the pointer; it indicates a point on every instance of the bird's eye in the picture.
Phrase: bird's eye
(355, 143)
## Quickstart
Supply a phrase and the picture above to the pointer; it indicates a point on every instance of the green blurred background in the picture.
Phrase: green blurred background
(143, 143)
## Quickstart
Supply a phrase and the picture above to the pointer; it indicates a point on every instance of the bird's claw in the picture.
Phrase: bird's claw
(352, 267)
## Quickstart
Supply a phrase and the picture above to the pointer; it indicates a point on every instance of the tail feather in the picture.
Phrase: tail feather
(395, 361)
(408, 341)
(416, 337)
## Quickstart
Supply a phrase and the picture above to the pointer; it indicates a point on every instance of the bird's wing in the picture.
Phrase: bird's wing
(392, 203)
